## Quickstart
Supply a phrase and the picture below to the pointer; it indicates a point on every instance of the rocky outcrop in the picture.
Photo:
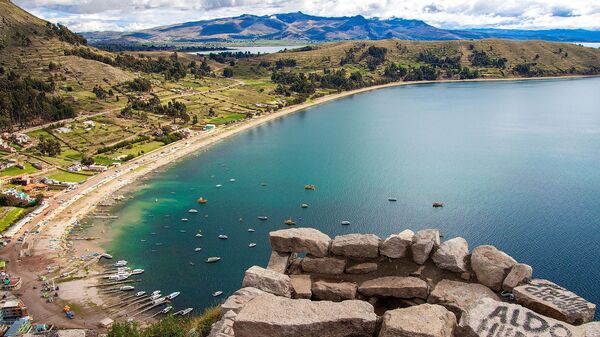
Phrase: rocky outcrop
(273, 316)
(323, 265)
(362, 268)
(396, 246)
(491, 266)
(334, 291)
(519, 274)
(423, 243)
(300, 240)
(591, 329)
(301, 286)
(452, 255)
(554, 301)
(356, 245)
(279, 261)
(224, 327)
(395, 286)
(268, 280)
(425, 320)
(239, 299)
(492, 318)
(458, 296)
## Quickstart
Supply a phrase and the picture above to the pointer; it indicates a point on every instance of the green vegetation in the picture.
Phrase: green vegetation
(69, 177)
(16, 171)
(10, 215)
(170, 326)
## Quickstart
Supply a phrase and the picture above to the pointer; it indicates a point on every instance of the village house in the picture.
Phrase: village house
(4, 146)
(20, 138)
(11, 308)
(89, 124)
(96, 168)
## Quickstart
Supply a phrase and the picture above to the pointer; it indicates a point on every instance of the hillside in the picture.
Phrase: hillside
(300, 26)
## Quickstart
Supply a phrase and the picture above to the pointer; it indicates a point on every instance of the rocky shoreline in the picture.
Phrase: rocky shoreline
(408, 284)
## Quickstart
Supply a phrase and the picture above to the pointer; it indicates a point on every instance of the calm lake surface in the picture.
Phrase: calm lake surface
(251, 49)
(517, 164)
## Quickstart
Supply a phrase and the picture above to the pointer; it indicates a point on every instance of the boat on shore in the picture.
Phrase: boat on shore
(213, 259)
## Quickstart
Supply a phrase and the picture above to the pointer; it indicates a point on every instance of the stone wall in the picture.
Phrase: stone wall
(408, 284)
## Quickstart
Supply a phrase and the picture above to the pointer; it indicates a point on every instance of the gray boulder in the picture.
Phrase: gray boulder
(237, 300)
(334, 291)
(300, 240)
(396, 246)
(458, 296)
(452, 255)
(487, 317)
(519, 274)
(323, 265)
(356, 245)
(224, 326)
(272, 316)
(362, 268)
(423, 243)
(555, 301)
(279, 261)
(268, 280)
(591, 329)
(301, 284)
(395, 286)
(491, 266)
(425, 320)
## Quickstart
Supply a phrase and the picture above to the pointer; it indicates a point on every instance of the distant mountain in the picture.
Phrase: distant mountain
(300, 26)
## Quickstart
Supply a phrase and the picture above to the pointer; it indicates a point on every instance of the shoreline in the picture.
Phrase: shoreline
(51, 243)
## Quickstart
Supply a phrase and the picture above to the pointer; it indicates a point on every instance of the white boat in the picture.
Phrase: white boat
(392, 199)
(197, 249)
(172, 295)
(262, 217)
(198, 235)
(158, 301)
(184, 219)
(252, 245)
(140, 293)
(106, 256)
(137, 271)
(154, 297)
(217, 293)
(184, 311)
(166, 309)
(232, 180)
(123, 269)
(119, 277)
(345, 223)
(155, 292)
(126, 288)
(193, 211)
(213, 259)
(218, 185)
(182, 231)
(223, 237)
(121, 263)
(251, 230)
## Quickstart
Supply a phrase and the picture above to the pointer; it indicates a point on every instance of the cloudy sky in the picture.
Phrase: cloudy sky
(91, 15)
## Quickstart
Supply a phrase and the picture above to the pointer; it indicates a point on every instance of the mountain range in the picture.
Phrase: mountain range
(300, 26)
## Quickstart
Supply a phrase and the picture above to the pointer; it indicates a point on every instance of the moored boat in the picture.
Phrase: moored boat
(198, 235)
(197, 249)
(137, 271)
(438, 204)
(193, 211)
(213, 259)
(184, 311)
(252, 245)
(166, 309)
(217, 293)
(345, 222)
(289, 222)
(392, 199)
(310, 187)
(172, 295)
(263, 218)
(202, 201)
(126, 288)
(251, 230)
(140, 293)
(120, 263)
(184, 219)
(223, 237)
(304, 205)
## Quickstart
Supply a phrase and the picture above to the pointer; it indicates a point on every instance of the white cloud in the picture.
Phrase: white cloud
(86, 15)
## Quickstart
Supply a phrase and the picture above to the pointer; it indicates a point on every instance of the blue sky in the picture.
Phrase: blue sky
(92, 15)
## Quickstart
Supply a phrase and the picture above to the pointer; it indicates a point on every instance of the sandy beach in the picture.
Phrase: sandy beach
(47, 245)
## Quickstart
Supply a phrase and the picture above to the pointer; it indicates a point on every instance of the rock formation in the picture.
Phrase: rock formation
(423, 243)
(491, 266)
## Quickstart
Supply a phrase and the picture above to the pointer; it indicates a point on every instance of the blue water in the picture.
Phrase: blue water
(251, 49)
(516, 163)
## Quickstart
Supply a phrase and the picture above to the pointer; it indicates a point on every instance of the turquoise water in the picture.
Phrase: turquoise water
(517, 165)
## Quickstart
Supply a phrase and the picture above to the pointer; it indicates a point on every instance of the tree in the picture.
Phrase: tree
(87, 160)
(228, 72)
(195, 120)
(48, 146)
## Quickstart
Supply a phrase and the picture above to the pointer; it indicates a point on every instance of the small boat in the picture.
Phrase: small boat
(137, 271)
(140, 293)
(392, 199)
(106, 256)
(252, 245)
(121, 263)
(218, 185)
(438, 204)
(263, 184)
(192, 263)
(166, 310)
(193, 211)
(184, 219)
(154, 297)
(182, 231)
(304, 206)
(345, 222)
(262, 217)
(126, 288)
(232, 180)
(223, 237)
(155, 200)
(251, 230)
(172, 295)
(213, 259)
(119, 277)
(290, 222)
(143, 240)
(155, 292)
(198, 235)
(310, 187)
(202, 201)
(217, 293)
(197, 249)
(184, 311)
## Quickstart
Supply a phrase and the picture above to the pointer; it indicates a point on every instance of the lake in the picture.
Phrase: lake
(517, 164)
(251, 49)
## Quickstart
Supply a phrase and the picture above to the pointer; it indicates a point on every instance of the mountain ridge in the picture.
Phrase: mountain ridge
(301, 26)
